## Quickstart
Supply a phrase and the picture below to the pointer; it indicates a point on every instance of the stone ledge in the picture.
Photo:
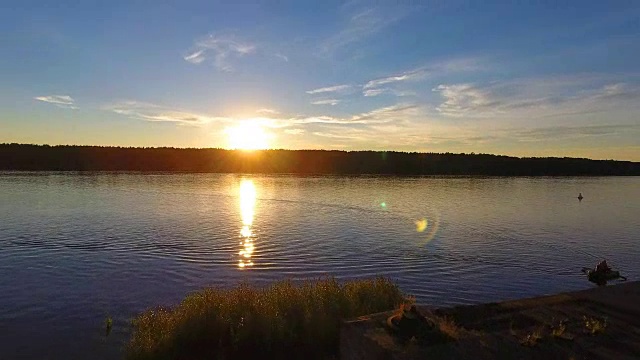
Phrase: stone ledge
(518, 329)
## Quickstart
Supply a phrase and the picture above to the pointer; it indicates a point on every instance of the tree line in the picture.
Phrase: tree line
(99, 158)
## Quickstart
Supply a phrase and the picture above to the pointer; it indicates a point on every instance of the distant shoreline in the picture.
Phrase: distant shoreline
(25, 157)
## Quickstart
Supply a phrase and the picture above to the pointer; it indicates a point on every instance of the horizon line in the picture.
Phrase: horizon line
(327, 150)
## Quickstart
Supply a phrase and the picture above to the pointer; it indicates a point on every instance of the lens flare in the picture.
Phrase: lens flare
(428, 227)
(421, 225)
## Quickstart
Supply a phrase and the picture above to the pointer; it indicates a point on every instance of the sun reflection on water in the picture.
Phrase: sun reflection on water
(247, 209)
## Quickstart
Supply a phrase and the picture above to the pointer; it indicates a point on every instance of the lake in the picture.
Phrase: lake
(78, 247)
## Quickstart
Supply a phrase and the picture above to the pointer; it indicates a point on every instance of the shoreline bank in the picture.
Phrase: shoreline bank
(598, 323)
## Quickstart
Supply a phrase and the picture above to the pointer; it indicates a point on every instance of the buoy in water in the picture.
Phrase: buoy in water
(580, 197)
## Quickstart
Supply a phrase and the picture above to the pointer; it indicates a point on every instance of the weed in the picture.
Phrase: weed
(108, 324)
(593, 325)
(283, 320)
(558, 329)
(448, 326)
(532, 338)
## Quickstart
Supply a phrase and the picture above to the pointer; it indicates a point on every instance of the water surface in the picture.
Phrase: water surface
(75, 248)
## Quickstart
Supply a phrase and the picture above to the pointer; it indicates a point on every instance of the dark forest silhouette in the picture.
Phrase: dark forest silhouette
(97, 158)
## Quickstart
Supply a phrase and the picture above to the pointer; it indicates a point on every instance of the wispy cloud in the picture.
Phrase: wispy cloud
(326, 102)
(461, 99)
(291, 124)
(464, 138)
(377, 116)
(267, 111)
(532, 98)
(375, 92)
(459, 65)
(283, 57)
(61, 101)
(335, 88)
(294, 131)
(396, 112)
(416, 74)
(396, 84)
(360, 26)
(400, 124)
(534, 134)
(222, 48)
(152, 112)
(392, 84)
(195, 57)
(297, 124)
(337, 136)
(389, 91)
(569, 132)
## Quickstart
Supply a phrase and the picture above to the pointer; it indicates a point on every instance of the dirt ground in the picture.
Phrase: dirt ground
(599, 323)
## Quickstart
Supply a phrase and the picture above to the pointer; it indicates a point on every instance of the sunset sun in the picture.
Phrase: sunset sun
(248, 135)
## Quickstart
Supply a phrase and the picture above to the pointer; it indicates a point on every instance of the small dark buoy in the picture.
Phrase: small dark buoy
(580, 197)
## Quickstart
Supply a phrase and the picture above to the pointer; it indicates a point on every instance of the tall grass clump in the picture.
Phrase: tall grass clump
(284, 320)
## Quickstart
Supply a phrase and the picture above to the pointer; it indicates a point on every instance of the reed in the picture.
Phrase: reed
(284, 320)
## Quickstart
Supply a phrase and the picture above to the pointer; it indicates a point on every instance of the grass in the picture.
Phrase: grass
(558, 329)
(448, 327)
(283, 320)
(108, 324)
(594, 326)
(533, 338)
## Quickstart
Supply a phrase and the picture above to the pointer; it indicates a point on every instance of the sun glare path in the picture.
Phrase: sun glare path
(248, 135)
(247, 208)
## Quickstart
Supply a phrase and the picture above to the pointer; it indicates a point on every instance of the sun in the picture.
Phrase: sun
(248, 135)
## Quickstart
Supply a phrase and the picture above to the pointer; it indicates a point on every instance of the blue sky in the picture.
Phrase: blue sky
(550, 78)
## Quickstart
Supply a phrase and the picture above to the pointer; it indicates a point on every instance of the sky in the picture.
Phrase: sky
(549, 78)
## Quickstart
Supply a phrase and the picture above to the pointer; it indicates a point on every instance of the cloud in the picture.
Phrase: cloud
(412, 75)
(532, 97)
(397, 114)
(294, 131)
(283, 57)
(300, 128)
(360, 26)
(382, 91)
(61, 101)
(335, 88)
(461, 99)
(195, 57)
(401, 126)
(459, 65)
(570, 132)
(372, 87)
(267, 111)
(617, 91)
(474, 138)
(377, 116)
(152, 112)
(222, 48)
(326, 102)
(388, 113)
(374, 92)
(529, 135)
(337, 136)
(391, 84)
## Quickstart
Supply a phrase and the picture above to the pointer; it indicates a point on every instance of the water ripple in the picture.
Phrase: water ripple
(78, 247)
